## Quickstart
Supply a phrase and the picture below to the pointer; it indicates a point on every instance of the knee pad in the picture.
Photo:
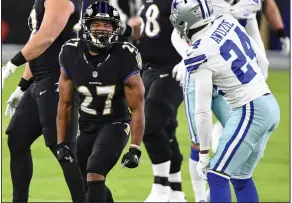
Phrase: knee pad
(171, 129)
(157, 114)
(194, 154)
(158, 147)
(176, 158)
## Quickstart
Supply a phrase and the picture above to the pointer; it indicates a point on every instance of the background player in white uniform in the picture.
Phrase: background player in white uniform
(231, 65)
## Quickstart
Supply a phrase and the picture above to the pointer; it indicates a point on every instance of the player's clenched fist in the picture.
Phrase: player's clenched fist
(132, 157)
(63, 152)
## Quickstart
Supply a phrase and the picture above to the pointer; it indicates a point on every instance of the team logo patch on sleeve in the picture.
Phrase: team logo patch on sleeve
(139, 60)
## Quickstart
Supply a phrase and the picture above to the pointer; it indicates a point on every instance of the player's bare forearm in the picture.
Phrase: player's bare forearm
(64, 106)
(273, 15)
(135, 23)
(55, 19)
(27, 73)
(134, 91)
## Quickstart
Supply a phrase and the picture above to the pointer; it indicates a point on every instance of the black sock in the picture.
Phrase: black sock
(96, 191)
(175, 186)
(109, 196)
(21, 168)
(161, 180)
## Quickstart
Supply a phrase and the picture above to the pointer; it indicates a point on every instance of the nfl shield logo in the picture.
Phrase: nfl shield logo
(94, 74)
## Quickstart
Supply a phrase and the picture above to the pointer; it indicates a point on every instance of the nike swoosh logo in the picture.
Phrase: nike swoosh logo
(42, 92)
(163, 75)
(188, 54)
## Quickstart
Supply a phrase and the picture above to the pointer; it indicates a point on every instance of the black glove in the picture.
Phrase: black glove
(63, 152)
(131, 158)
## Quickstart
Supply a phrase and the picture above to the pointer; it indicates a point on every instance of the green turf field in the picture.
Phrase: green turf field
(271, 176)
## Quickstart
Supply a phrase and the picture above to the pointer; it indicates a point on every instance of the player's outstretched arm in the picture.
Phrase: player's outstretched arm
(64, 106)
(57, 13)
(273, 15)
(203, 99)
(61, 150)
(274, 18)
(134, 92)
(203, 116)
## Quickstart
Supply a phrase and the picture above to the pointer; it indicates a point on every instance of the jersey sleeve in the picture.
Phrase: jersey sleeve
(131, 62)
(65, 56)
(194, 57)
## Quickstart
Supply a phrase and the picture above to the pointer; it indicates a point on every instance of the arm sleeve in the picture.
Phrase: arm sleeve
(194, 58)
(261, 57)
(179, 44)
(132, 63)
(203, 98)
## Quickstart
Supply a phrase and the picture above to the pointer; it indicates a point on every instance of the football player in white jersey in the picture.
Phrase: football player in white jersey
(222, 54)
(244, 10)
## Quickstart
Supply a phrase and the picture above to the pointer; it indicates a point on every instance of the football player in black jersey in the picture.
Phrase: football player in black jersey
(163, 95)
(274, 19)
(51, 23)
(107, 75)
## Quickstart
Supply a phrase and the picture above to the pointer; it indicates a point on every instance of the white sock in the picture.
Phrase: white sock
(162, 169)
(199, 184)
(175, 177)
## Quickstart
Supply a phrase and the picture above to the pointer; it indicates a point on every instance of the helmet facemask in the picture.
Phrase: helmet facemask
(101, 24)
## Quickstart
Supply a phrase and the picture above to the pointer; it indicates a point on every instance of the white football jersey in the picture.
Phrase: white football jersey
(225, 48)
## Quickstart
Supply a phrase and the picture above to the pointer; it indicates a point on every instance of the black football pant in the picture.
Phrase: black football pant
(36, 115)
(98, 152)
(163, 95)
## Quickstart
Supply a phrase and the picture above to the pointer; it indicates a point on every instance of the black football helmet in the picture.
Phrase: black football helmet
(101, 10)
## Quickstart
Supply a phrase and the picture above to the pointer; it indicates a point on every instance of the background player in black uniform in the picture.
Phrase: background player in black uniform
(163, 95)
(106, 73)
(51, 22)
(274, 19)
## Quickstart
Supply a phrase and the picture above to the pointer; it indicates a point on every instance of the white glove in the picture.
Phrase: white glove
(179, 72)
(13, 101)
(202, 166)
(245, 9)
(285, 43)
(7, 70)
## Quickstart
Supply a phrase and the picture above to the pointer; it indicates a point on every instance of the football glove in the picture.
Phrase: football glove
(63, 152)
(285, 43)
(179, 73)
(245, 9)
(202, 167)
(13, 101)
(7, 70)
(132, 157)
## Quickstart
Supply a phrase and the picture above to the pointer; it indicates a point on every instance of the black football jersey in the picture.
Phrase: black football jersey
(100, 83)
(155, 41)
(48, 62)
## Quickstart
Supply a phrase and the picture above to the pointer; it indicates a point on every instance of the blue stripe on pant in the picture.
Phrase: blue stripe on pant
(245, 136)
(236, 139)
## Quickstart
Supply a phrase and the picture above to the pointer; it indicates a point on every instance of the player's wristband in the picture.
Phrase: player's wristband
(128, 31)
(281, 33)
(24, 84)
(18, 59)
(135, 146)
